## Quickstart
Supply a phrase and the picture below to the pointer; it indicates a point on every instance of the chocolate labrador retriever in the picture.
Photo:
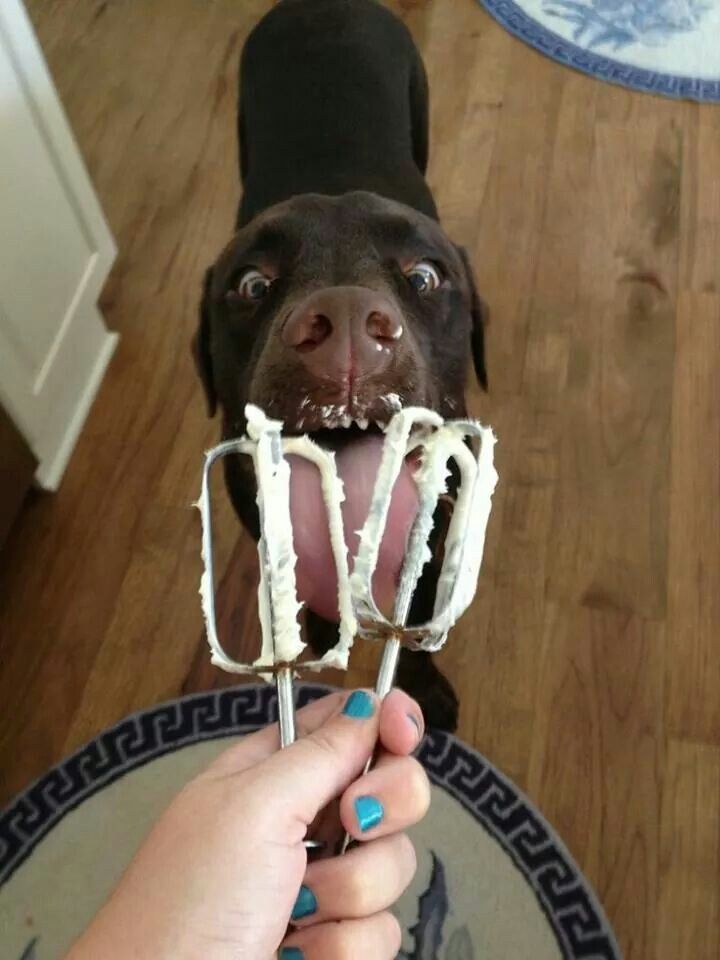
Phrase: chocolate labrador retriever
(339, 299)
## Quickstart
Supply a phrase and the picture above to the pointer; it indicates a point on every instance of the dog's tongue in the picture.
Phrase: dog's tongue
(316, 575)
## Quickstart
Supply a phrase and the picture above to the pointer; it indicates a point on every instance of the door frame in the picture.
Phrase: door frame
(81, 332)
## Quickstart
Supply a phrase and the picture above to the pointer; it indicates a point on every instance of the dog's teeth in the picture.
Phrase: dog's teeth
(362, 423)
(346, 422)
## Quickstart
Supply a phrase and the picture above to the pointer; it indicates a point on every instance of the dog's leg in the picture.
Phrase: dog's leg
(419, 113)
(418, 676)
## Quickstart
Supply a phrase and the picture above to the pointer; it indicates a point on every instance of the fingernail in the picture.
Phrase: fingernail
(305, 904)
(291, 953)
(359, 705)
(369, 812)
(416, 723)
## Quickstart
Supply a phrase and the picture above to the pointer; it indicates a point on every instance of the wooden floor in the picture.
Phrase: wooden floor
(589, 667)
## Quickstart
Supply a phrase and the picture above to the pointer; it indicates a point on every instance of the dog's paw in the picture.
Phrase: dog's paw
(419, 677)
(440, 706)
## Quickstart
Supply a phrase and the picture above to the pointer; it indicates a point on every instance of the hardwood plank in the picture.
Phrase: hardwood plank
(689, 907)
(150, 632)
(700, 240)
(504, 715)
(506, 624)
(598, 757)
(17, 469)
(499, 634)
(556, 275)
(694, 555)
(467, 75)
(610, 529)
(513, 209)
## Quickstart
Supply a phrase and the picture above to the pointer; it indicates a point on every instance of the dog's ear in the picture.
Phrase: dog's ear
(479, 317)
(201, 347)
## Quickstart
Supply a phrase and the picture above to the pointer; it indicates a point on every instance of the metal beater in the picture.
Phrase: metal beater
(412, 431)
(278, 605)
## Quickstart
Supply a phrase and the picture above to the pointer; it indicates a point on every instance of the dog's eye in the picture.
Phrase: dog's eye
(424, 277)
(253, 285)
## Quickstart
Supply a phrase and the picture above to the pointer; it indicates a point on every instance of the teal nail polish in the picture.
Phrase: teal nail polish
(359, 705)
(369, 812)
(291, 953)
(305, 904)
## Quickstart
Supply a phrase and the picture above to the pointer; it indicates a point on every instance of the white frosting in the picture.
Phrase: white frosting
(278, 605)
(393, 402)
(431, 481)
(466, 535)
(333, 494)
(277, 592)
(207, 581)
(396, 445)
(465, 541)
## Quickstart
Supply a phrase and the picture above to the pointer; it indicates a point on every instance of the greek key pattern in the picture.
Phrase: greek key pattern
(571, 909)
(575, 916)
(517, 22)
(134, 741)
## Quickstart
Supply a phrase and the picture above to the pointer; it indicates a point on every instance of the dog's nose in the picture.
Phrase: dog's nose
(344, 333)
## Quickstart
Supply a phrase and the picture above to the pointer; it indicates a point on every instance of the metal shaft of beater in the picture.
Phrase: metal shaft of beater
(286, 705)
(388, 668)
(391, 650)
(286, 720)
(389, 660)
(283, 674)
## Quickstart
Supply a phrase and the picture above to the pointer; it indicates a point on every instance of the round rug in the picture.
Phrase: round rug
(668, 47)
(494, 881)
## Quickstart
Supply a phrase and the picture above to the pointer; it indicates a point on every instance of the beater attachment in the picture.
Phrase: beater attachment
(415, 431)
(278, 604)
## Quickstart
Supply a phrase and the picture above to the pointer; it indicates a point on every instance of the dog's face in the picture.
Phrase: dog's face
(330, 314)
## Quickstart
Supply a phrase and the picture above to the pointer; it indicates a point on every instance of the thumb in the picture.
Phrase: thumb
(303, 778)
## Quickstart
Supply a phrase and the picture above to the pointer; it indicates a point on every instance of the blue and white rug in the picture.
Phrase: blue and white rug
(668, 47)
(494, 881)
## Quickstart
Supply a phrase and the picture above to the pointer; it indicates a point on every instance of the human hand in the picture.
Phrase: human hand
(224, 869)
